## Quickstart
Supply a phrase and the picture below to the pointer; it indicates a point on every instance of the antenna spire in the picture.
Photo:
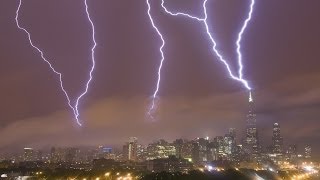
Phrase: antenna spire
(250, 97)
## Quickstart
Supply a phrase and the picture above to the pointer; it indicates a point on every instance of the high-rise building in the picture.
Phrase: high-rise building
(307, 152)
(201, 151)
(237, 154)
(53, 155)
(141, 152)
(125, 152)
(292, 153)
(133, 149)
(130, 149)
(251, 141)
(251, 126)
(105, 152)
(28, 154)
(219, 148)
(195, 153)
(232, 143)
(277, 140)
(186, 151)
(178, 144)
(232, 133)
(183, 148)
(160, 149)
(170, 164)
(229, 145)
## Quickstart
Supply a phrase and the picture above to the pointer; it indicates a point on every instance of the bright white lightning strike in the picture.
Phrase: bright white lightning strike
(245, 24)
(75, 106)
(214, 44)
(154, 96)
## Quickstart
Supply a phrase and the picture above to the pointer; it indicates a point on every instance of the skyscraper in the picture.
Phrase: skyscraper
(160, 149)
(277, 140)
(251, 126)
(28, 154)
(292, 152)
(232, 133)
(133, 148)
(251, 140)
(307, 152)
(230, 143)
(130, 149)
(183, 148)
(219, 148)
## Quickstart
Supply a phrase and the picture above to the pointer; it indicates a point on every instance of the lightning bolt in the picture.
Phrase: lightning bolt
(75, 106)
(243, 28)
(203, 20)
(92, 60)
(154, 96)
(214, 43)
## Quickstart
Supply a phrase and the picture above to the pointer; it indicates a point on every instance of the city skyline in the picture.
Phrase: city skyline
(132, 145)
(247, 136)
(196, 99)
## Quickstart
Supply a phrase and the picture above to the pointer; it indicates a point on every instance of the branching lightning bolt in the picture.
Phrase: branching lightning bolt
(92, 59)
(75, 106)
(243, 28)
(203, 20)
(154, 96)
(214, 43)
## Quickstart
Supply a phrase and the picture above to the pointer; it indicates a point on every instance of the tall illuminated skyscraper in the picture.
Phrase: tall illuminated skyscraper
(251, 141)
(251, 126)
(130, 149)
(277, 140)
(307, 151)
(133, 149)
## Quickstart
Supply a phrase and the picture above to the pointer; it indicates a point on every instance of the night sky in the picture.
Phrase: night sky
(281, 53)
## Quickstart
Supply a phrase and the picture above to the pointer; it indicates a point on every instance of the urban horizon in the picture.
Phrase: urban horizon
(249, 135)
(209, 157)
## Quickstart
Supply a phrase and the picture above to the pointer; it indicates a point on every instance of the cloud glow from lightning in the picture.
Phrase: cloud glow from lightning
(203, 20)
(75, 106)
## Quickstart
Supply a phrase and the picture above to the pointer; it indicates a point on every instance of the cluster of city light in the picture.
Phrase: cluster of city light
(203, 21)
(73, 106)
(303, 175)
(116, 176)
(108, 175)
(39, 173)
(286, 165)
(126, 177)
(211, 168)
(310, 169)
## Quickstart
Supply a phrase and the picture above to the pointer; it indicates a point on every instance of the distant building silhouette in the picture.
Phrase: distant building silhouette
(277, 140)
(307, 151)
